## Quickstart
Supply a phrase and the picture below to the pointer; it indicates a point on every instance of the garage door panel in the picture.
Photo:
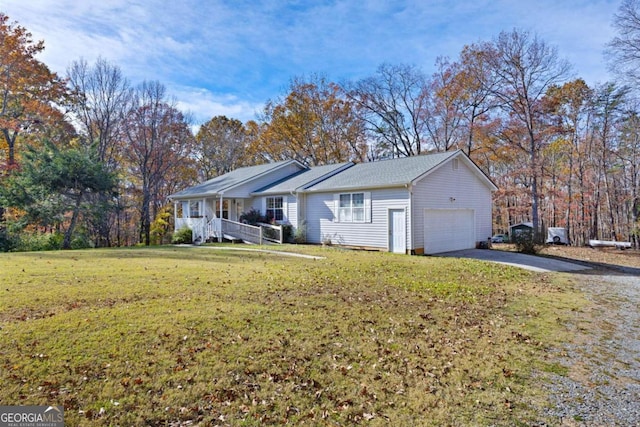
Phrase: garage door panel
(448, 230)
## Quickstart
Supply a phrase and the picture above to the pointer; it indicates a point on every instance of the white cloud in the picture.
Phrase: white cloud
(245, 51)
(203, 105)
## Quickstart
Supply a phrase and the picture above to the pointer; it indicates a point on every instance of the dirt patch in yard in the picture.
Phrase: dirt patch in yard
(599, 257)
(602, 256)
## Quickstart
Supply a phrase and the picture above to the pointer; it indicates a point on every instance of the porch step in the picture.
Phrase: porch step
(232, 239)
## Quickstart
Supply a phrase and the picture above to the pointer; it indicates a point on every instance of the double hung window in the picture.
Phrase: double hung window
(351, 207)
(275, 208)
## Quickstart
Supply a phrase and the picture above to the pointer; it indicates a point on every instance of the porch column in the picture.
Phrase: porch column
(221, 202)
(203, 215)
(175, 216)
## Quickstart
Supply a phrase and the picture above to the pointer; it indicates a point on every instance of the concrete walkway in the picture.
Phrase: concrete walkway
(244, 249)
(528, 262)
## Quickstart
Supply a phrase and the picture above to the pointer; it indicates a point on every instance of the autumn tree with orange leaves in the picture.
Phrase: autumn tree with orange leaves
(28, 89)
(524, 68)
(220, 146)
(314, 124)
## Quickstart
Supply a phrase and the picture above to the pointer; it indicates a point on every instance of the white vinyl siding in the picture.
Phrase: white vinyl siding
(323, 221)
(291, 204)
(446, 188)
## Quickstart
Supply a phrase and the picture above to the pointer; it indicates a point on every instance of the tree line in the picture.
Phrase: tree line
(89, 159)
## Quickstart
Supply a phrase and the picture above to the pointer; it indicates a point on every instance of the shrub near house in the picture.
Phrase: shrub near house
(182, 236)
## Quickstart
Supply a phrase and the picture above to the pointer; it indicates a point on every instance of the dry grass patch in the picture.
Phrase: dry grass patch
(173, 335)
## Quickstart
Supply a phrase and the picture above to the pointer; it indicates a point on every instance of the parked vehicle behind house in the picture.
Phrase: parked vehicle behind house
(500, 238)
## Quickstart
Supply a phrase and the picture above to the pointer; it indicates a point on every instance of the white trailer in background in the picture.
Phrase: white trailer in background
(609, 243)
(557, 236)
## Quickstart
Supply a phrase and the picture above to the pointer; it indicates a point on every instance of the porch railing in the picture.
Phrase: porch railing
(246, 232)
(213, 229)
(259, 234)
(197, 226)
(272, 233)
(202, 230)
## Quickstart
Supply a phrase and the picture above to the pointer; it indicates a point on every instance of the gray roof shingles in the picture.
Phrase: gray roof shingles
(301, 179)
(220, 183)
(383, 173)
(379, 174)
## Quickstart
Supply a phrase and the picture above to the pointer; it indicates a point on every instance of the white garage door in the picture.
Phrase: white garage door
(448, 230)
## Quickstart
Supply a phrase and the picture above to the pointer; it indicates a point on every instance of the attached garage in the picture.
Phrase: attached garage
(448, 230)
(424, 204)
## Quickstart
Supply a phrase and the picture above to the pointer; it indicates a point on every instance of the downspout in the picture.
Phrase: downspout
(295, 194)
(411, 248)
(298, 212)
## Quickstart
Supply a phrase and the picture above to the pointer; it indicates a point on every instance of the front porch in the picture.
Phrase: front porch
(203, 215)
(212, 219)
(220, 228)
(209, 208)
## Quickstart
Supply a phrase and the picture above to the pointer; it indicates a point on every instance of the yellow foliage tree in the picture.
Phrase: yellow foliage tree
(313, 124)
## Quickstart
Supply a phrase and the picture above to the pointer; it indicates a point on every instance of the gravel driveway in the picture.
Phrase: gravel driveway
(603, 385)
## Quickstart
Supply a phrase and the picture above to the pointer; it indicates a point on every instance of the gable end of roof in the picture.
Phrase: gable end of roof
(475, 169)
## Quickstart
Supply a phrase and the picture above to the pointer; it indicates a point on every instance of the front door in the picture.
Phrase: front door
(397, 231)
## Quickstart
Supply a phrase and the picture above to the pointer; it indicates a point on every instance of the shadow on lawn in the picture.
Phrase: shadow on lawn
(169, 253)
(613, 269)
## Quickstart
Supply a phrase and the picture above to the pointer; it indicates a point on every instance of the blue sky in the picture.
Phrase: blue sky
(229, 57)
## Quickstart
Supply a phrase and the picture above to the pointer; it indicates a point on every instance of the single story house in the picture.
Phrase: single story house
(423, 204)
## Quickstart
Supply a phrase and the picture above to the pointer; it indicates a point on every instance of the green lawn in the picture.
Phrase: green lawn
(158, 336)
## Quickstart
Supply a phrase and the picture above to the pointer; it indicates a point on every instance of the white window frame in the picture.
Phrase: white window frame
(225, 208)
(353, 207)
(274, 208)
(195, 213)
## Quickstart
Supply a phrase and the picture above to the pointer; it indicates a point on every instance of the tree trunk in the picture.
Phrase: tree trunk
(66, 243)
(535, 219)
(567, 222)
(11, 144)
(145, 222)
